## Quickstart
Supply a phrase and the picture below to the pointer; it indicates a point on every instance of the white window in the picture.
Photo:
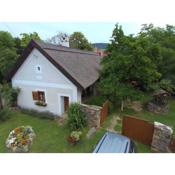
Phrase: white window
(38, 69)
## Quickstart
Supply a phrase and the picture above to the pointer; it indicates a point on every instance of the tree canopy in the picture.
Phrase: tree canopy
(26, 38)
(130, 67)
(8, 54)
(79, 41)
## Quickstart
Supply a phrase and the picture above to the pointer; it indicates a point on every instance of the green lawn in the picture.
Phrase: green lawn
(50, 136)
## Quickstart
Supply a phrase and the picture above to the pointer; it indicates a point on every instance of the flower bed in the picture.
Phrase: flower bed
(40, 103)
(20, 139)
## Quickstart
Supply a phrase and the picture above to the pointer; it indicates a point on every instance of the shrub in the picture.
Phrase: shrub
(44, 115)
(4, 114)
(96, 100)
(167, 86)
(9, 94)
(76, 117)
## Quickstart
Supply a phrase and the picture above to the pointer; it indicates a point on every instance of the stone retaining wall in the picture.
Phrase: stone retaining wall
(161, 137)
(93, 114)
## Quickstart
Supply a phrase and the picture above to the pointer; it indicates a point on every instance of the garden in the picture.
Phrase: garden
(50, 137)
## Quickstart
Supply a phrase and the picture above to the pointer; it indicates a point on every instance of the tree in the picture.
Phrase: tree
(59, 39)
(165, 39)
(19, 48)
(79, 41)
(8, 55)
(26, 38)
(129, 69)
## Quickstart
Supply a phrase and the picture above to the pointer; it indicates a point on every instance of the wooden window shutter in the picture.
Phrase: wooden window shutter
(35, 95)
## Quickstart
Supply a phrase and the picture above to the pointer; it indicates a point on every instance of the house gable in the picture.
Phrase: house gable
(37, 68)
(80, 67)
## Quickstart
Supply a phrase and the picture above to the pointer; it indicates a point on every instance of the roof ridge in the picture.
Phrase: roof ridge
(64, 48)
(91, 53)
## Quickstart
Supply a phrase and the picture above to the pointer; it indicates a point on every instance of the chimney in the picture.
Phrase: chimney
(65, 41)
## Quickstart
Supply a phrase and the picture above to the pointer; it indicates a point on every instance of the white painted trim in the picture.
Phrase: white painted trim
(42, 84)
(59, 100)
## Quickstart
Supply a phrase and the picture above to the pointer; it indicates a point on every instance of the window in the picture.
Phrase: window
(38, 69)
(39, 96)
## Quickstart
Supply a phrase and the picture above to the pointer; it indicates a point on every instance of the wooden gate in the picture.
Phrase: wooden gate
(172, 145)
(104, 112)
(137, 129)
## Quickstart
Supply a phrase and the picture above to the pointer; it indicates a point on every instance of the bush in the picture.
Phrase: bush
(44, 115)
(76, 117)
(167, 86)
(9, 94)
(96, 100)
(4, 114)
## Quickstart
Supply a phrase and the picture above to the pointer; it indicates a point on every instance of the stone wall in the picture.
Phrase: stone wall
(93, 114)
(161, 137)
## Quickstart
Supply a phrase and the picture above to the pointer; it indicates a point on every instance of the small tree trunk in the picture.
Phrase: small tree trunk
(122, 105)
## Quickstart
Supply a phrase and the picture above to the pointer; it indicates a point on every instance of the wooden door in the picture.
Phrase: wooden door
(66, 103)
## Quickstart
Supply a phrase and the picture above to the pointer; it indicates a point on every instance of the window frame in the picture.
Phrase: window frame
(45, 94)
(36, 69)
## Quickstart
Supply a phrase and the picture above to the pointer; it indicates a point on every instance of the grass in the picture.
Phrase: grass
(50, 136)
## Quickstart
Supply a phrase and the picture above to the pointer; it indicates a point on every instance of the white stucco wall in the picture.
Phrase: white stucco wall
(50, 80)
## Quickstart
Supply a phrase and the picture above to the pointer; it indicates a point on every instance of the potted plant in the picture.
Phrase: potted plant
(41, 103)
(74, 137)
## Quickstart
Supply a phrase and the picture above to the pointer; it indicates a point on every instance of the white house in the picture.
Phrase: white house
(50, 77)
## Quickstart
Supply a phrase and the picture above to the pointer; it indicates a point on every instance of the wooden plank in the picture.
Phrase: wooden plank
(35, 95)
(137, 129)
(104, 112)
(66, 103)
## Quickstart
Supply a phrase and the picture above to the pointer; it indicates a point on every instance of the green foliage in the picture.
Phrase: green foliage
(4, 114)
(79, 41)
(76, 135)
(9, 94)
(164, 38)
(167, 86)
(43, 115)
(76, 117)
(96, 100)
(129, 67)
(26, 38)
(8, 54)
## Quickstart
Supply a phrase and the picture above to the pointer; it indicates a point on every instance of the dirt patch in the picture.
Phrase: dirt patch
(137, 106)
(61, 120)
(113, 123)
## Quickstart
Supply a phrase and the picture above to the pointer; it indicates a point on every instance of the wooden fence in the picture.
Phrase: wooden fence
(137, 129)
(104, 112)
(172, 145)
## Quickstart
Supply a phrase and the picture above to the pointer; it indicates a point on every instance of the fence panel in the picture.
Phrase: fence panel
(172, 145)
(104, 112)
(137, 129)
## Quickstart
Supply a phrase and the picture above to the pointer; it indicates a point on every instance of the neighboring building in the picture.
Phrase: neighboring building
(100, 52)
(50, 77)
(99, 48)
